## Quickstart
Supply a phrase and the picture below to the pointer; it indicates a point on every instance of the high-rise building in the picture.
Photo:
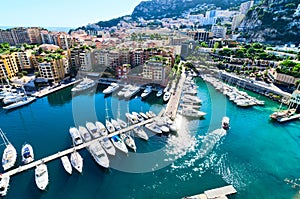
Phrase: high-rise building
(219, 31)
(85, 60)
(53, 70)
(23, 59)
(64, 41)
(20, 35)
(8, 66)
(6, 36)
(35, 35)
(154, 71)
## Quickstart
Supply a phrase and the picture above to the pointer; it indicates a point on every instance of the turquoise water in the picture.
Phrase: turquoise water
(256, 155)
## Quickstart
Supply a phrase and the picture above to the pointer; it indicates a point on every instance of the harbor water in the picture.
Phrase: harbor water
(256, 155)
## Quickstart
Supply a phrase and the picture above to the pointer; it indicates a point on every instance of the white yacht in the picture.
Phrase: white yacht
(119, 144)
(27, 154)
(101, 128)
(140, 118)
(191, 99)
(9, 155)
(77, 161)
(108, 146)
(75, 135)
(149, 115)
(141, 133)
(146, 92)
(166, 96)
(129, 141)
(116, 124)
(144, 115)
(4, 184)
(154, 128)
(99, 154)
(189, 112)
(12, 98)
(152, 113)
(111, 88)
(110, 127)
(159, 93)
(25, 100)
(225, 123)
(66, 164)
(122, 123)
(41, 176)
(85, 84)
(133, 119)
(93, 129)
(86, 136)
(122, 92)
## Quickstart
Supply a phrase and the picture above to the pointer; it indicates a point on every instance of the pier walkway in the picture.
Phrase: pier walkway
(172, 106)
(79, 147)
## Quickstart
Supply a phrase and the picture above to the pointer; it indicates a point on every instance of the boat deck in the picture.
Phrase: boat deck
(285, 119)
(79, 147)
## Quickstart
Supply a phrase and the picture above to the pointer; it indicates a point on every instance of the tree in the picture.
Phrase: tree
(203, 44)
(217, 45)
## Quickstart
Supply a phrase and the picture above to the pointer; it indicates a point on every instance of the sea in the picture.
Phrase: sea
(256, 155)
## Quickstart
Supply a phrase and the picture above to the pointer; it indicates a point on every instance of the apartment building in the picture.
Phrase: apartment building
(53, 70)
(237, 20)
(8, 67)
(85, 60)
(219, 31)
(155, 71)
(34, 35)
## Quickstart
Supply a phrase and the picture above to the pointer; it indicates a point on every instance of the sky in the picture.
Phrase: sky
(62, 13)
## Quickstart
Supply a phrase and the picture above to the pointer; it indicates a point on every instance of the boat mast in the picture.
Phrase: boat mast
(106, 110)
(4, 138)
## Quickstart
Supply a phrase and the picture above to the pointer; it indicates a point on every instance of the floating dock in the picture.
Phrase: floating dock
(217, 193)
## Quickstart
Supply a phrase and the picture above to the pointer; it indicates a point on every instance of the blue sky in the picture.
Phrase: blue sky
(62, 13)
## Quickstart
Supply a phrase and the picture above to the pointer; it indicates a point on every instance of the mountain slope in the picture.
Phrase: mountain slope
(273, 21)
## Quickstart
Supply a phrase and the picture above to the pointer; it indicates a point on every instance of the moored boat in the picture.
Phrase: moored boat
(108, 146)
(133, 119)
(99, 154)
(9, 156)
(75, 135)
(101, 128)
(84, 133)
(141, 133)
(119, 144)
(66, 164)
(129, 141)
(116, 124)
(41, 176)
(144, 115)
(85, 84)
(25, 100)
(77, 161)
(146, 92)
(27, 154)
(159, 93)
(4, 184)
(166, 96)
(109, 126)
(93, 129)
(154, 128)
(122, 123)
(111, 88)
(189, 112)
(140, 118)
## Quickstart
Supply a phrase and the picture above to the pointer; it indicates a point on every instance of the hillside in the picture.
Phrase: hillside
(273, 21)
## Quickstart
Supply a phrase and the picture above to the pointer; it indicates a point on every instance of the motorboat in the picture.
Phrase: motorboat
(148, 114)
(119, 144)
(108, 146)
(154, 128)
(77, 161)
(191, 99)
(85, 84)
(41, 176)
(27, 154)
(166, 96)
(75, 136)
(4, 184)
(133, 119)
(93, 129)
(144, 115)
(141, 133)
(66, 164)
(131, 91)
(9, 156)
(122, 92)
(84, 133)
(111, 88)
(12, 98)
(110, 127)
(189, 112)
(146, 92)
(159, 93)
(129, 141)
(101, 128)
(25, 100)
(162, 125)
(122, 123)
(99, 154)
(140, 118)
(225, 122)
(283, 113)
(116, 124)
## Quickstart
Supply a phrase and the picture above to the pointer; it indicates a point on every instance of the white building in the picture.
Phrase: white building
(219, 31)
(237, 20)
(85, 61)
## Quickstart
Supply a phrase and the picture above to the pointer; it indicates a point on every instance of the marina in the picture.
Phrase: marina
(229, 143)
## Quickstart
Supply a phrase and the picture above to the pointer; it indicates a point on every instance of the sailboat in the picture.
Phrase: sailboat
(9, 155)
(22, 102)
